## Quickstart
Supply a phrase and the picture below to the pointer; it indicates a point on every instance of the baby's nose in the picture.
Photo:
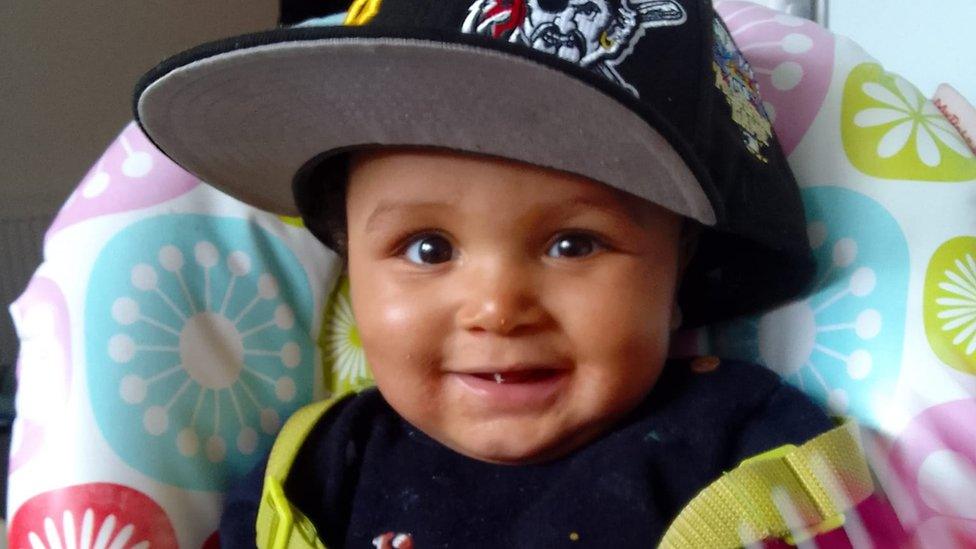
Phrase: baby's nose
(500, 300)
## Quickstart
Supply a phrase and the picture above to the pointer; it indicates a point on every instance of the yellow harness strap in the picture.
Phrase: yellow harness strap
(811, 485)
(790, 493)
(281, 525)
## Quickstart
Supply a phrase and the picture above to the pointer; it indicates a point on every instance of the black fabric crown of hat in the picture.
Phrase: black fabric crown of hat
(622, 74)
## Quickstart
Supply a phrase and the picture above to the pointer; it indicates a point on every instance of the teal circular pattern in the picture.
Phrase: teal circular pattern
(842, 343)
(198, 332)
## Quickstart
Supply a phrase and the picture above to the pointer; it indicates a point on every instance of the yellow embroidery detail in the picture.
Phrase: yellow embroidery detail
(361, 12)
(293, 221)
(736, 87)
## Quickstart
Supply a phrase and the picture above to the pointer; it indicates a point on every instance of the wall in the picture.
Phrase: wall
(926, 42)
(67, 76)
(67, 71)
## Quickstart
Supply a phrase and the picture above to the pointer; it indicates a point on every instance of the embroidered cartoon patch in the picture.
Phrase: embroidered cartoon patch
(596, 34)
(735, 78)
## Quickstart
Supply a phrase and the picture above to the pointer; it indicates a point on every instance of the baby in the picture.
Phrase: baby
(531, 196)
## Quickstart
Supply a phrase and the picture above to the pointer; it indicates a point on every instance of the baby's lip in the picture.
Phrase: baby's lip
(520, 372)
(515, 387)
(519, 367)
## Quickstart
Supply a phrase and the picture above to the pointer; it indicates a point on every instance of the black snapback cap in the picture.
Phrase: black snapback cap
(648, 96)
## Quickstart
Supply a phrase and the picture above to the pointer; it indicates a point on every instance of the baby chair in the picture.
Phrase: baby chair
(171, 330)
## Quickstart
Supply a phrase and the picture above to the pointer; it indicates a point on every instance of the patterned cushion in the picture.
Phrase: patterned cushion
(888, 334)
(166, 336)
(171, 329)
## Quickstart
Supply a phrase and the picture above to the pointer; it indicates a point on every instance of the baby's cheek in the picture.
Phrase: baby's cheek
(620, 347)
(382, 303)
(618, 325)
(377, 304)
(401, 339)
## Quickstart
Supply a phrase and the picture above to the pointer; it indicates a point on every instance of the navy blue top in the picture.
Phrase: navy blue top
(364, 471)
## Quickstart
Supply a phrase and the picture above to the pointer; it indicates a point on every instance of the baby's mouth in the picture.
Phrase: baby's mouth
(516, 388)
(520, 376)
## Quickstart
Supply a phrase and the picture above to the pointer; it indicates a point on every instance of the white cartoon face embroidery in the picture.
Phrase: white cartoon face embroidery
(572, 33)
(596, 34)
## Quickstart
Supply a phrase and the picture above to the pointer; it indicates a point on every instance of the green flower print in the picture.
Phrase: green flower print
(342, 350)
(891, 131)
(950, 303)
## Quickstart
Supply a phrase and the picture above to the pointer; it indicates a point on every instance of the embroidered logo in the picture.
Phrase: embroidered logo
(596, 34)
(393, 540)
(735, 78)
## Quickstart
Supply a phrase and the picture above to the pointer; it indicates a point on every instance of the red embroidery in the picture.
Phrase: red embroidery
(508, 16)
(954, 120)
(391, 540)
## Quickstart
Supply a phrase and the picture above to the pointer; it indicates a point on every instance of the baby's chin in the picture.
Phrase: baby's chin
(509, 445)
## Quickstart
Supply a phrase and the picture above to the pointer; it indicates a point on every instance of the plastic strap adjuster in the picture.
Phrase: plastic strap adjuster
(289, 528)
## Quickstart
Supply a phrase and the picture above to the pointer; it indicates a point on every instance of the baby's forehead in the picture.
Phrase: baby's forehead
(538, 205)
(389, 178)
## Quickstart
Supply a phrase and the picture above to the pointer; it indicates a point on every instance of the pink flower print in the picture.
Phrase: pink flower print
(935, 461)
(131, 174)
(43, 366)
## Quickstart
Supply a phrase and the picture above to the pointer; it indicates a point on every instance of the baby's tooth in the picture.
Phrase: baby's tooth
(498, 377)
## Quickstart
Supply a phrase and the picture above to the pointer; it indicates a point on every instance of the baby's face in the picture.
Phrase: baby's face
(512, 313)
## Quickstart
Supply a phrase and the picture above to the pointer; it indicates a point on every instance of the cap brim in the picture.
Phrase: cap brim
(246, 120)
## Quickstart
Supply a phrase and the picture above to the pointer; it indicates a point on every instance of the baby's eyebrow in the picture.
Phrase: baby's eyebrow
(543, 209)
(387, 206)
(614, 209)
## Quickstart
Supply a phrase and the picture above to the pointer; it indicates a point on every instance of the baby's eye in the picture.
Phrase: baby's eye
(429, 249)
(574, 245)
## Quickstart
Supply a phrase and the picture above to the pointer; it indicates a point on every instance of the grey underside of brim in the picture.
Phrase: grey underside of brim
(245, 121)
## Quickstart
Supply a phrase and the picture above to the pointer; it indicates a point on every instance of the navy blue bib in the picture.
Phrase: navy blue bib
(365, 474)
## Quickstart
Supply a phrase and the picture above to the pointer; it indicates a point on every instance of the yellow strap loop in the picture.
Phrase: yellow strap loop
(790, 493)
(280, 525)
(361, 12)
